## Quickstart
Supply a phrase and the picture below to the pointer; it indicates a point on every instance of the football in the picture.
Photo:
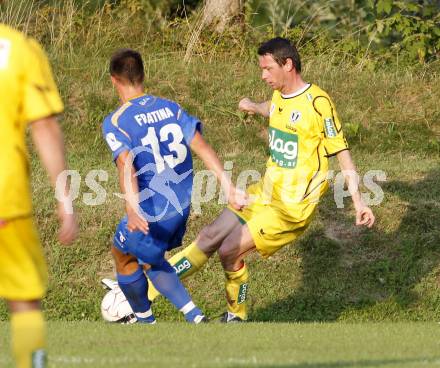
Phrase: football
(115, 307)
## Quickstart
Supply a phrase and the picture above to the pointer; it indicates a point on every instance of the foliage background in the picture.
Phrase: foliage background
(383, 74)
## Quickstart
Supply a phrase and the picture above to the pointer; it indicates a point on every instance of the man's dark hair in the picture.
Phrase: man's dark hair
(281, 49)
(127, 65)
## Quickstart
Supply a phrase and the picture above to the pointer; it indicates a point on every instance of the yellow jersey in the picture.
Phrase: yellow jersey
(27, 93)
(304, 131)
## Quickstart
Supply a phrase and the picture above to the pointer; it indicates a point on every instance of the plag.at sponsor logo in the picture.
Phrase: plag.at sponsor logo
(182, 266)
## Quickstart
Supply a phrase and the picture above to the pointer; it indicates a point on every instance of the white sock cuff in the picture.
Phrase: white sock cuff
(187, 307)
(198, 319)
(146, 314)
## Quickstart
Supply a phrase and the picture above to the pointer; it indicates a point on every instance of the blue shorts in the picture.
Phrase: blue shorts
(150, 248)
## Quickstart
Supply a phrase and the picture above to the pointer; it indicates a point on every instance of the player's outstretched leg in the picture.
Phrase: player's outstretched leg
(231, 252)
(134, 285)
(166, 281)
(192, 258)
(236, 286)
(185, 263)
(135, 288)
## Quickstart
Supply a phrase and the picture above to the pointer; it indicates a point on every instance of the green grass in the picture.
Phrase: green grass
(335, 272)
(399, 345)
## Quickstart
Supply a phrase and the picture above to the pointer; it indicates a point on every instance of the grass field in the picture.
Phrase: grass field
(328, 345)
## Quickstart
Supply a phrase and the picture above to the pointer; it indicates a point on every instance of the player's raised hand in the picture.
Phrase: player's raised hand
(68, 225)
(246, 105)
(365, 216)
(136, 222)
(262, 108)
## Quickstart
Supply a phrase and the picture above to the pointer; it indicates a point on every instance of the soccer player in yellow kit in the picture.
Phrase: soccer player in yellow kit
(28, 97)
(304, 132)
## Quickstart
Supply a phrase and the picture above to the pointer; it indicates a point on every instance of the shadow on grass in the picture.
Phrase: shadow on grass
(358, 364)
(346, 270)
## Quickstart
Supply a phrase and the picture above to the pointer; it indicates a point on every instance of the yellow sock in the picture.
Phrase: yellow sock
(187, 262)
(236, 291)
(28, 339)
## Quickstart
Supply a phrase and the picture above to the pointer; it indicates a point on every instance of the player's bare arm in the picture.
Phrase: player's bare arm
(48, 140)
(236, 198)
(251, 107)
(135, 220)
(364, 214)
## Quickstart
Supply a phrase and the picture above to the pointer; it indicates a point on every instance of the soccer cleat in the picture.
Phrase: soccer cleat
(146, 321)
(229, 317)
(127, 320)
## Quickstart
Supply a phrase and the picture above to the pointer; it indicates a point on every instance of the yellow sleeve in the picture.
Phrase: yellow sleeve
(330, 126)
(40, 94)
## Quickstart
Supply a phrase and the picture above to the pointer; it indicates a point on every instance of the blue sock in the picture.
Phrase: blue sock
(166, 281)
(135, 288)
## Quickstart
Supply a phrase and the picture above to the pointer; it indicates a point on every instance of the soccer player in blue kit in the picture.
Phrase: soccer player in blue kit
(150, 139)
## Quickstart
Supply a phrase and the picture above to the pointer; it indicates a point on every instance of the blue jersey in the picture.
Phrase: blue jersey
(158, 132)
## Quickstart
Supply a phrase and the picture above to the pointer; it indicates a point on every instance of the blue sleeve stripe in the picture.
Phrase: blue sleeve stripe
(124, 132)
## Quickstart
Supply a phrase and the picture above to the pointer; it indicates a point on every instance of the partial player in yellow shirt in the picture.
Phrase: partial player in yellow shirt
(28, 97)
(304, 132)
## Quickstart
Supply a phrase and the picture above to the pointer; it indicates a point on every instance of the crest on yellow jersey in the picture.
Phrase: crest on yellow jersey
(295, 116)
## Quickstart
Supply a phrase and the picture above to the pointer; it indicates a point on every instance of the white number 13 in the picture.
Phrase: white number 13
(174, 146)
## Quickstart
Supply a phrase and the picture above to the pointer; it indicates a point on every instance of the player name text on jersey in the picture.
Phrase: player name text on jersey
(153, 116)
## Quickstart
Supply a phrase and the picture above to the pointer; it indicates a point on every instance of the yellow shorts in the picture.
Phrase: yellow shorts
(272, 225)
(23, 272)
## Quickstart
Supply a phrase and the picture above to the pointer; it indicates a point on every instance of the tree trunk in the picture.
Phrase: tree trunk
(221, 12)
(218, 13)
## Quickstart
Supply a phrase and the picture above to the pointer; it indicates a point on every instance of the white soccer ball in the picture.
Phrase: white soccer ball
(115, 307)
